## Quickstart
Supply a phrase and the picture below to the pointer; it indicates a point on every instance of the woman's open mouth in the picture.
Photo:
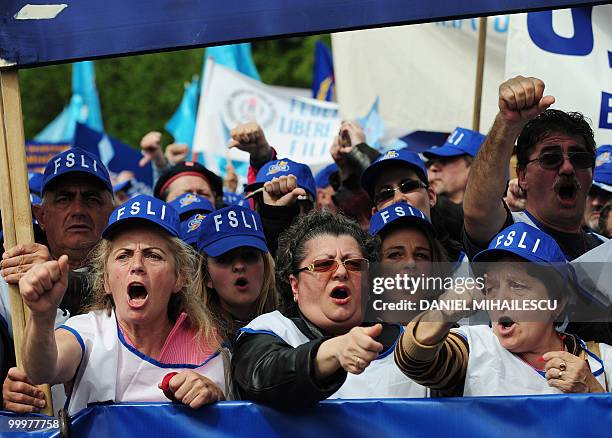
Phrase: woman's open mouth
(505, 325)
(137, 295)
(242, 284)
(340, 295)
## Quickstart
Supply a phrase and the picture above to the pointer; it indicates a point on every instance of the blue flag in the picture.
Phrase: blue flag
(116, 156)
(182, 123)
(234, 56)
(84, 107)
(323, 83)
(373, 125)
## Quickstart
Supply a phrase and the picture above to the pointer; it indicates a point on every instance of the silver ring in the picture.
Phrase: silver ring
(562, 366)
(560, 374)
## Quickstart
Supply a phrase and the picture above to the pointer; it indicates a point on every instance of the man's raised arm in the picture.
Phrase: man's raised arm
(520, 100)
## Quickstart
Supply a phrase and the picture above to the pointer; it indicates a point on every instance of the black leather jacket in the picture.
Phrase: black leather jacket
(267, 370)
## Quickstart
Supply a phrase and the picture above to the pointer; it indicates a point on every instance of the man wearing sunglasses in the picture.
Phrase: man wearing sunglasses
(601, 190)
(555, 158)
(401, 176)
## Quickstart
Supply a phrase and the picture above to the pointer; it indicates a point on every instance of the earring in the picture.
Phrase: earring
(295, 298)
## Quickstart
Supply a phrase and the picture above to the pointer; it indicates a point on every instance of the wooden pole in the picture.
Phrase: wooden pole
(16, 208)
(482, 45)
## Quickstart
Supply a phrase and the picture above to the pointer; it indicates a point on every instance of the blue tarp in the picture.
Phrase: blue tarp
(542, 416)
(98, 28)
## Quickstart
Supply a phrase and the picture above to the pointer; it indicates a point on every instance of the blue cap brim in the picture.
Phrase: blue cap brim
(122, 186)
(191, 239)
(106, 183)
(444, 151)
(409, 221)
(113, 227)
(489, 255)
(374, 170)
(221, 246)
(603, 186)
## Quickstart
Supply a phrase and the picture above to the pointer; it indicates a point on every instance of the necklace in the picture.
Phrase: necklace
(540, 362)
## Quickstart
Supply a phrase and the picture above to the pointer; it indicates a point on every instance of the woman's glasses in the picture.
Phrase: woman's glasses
(406, 186)
(327, 265)
(554, 160)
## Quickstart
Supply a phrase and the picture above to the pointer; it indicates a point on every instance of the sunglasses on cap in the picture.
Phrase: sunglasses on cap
(554, 160)
(327, 265)
(406, 186)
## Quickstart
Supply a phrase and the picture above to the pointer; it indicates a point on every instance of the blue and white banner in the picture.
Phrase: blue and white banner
(571, 51)
(297, 127)
(116, 156)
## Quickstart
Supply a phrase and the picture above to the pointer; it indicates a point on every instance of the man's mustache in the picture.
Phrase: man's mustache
(564, 181)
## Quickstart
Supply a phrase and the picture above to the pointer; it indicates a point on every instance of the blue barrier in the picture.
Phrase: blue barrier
(542, 416)
(95, 28)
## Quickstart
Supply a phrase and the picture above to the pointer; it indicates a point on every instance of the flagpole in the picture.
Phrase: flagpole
(15, 200)
(208, 71)
(482, 44)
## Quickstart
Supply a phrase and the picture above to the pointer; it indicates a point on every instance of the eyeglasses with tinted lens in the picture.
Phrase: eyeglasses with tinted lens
(554, 160)
(406, 186)
(327, 265)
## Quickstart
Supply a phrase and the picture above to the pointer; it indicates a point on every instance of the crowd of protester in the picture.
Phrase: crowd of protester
(198, 294)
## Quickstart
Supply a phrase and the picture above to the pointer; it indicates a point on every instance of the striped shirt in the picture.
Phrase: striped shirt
(443, 366)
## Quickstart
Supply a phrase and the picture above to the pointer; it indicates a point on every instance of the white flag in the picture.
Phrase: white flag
(571, 51)
(297, 127)
(424, 74)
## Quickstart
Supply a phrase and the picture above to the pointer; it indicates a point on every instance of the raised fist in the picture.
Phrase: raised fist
(42, 287)
(522, 99)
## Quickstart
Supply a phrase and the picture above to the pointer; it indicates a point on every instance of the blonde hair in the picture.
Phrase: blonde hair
(186, 300)
(267, 301)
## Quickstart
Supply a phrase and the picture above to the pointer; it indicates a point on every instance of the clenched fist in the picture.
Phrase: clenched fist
(522, 99)
(42, 287)
(249, 137)
(191, 389)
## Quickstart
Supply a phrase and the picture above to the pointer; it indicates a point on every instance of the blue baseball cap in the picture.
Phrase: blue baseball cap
(190, 228)
(123, 186)
(461, 141)
(229, 228)
(75, 160)
(231, 198)
(396, 213)
(144, 208)
(35, 199)
(374, 170)
(35, 181)
(189, 203)
(602, 174)
(529, 243)
(277, 168)
(322, 177)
